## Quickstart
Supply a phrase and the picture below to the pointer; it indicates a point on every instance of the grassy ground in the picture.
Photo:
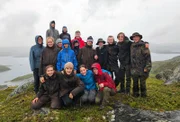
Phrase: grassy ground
(160, 98)
(22, 77)
(4, 68)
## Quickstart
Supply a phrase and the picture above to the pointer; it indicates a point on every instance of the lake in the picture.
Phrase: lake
(20, 66)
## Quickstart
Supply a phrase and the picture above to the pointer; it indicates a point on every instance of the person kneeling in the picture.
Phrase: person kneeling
(71, 87)
(48, 91)
(106, 85)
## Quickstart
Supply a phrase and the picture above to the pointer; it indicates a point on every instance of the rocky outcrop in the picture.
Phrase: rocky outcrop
(20, 89)
(124, 113)
(170, 76)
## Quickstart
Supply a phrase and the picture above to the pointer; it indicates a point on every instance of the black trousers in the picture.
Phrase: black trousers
(142, 80)
(36, 80)
(115, 74)
(125, 75)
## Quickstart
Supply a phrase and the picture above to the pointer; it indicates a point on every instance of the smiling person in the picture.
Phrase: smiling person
(140, 64)
(106, 85)
(87, 55)
(71, 87)
(59, 44)
(34, 59)
(48, 91)
(52, 32)
(80, 40)
(66, 55)
(49, 55)
(65, 35)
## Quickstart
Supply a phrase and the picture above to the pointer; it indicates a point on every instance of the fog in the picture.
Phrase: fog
(156, 20)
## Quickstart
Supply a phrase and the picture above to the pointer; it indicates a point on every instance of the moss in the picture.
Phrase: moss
(22, 77)
(4, 68)
(160, 98)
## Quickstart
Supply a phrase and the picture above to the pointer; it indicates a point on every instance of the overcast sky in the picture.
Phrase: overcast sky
(156, 20)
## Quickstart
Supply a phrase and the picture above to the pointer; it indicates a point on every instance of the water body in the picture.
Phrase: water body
(20, 66)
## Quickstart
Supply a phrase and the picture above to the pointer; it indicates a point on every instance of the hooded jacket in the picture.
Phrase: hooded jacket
(35, 54)
(103, 78)
(112, 56)
(70, 83)
(140, 59)
(48, 57)
(89, 80)
(52, 32)
(65, 35)
(102, 56)
(51, 86)
(86, 56)
(81, 42)
(124, 52)
(76, 48)
(66, 55)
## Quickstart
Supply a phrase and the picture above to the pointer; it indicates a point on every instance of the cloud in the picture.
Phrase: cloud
(18, 29)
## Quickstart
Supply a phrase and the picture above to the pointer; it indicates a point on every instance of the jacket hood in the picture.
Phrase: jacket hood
(63, 28)
(51, 23)
(97, 66)
(36, 40)
(65, 41)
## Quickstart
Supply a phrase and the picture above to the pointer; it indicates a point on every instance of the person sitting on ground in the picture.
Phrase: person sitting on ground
(66, 55)
(48, 91)
(71, 87)
(87, 77)
(59, 44)
(106, 85)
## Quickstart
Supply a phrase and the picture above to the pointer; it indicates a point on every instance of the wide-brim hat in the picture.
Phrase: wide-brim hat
(136, 34)
(100, 40)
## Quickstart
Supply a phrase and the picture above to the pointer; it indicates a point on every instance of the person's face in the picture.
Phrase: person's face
(136, 39)
(68, 71)
(40, 41)
(110, 40)
(77, 34)
(59, 44)
(64, 29)
(52, 25)
(50, 71)
(101, 44)
(95, 70)
(76, 44)
(83, 70)
(121, 38)
(50, 43)
(89, 43)
(66, 45)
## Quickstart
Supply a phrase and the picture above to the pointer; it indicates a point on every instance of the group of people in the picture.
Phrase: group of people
(70, 71)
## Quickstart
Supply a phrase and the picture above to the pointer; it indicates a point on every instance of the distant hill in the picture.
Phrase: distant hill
(171, 64)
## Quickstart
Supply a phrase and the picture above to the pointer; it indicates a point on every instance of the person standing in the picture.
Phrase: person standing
(65, 35)
(34, 59)
(102, 53)
(49, 55)
(59, 44)
(112, 64)
(78, 37)
(140, 64)
(124, 45)
(87, 55)
(52, 32)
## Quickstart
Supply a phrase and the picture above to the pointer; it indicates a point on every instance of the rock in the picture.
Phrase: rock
(169, 76)
(43, 111)
(20, 89)
(3, 87)
(124, 113)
